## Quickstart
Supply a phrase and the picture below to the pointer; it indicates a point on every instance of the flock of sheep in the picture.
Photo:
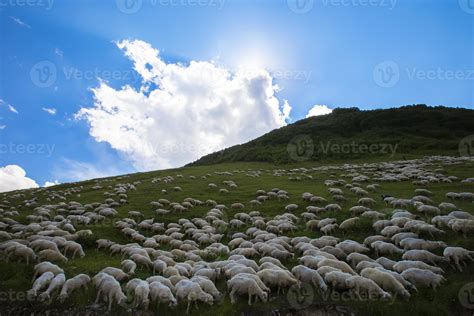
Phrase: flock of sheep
(252, 255)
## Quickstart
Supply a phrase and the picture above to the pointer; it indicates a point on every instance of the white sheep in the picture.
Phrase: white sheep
(385, 248)
(403, 265)
(458, 255)
(75, 248)
(128, 266)
(423, 278)
(277, 278)
(55, 286)
(162, 294)
(46, 266)
(80, 280)
(111, 291)
(423, 255)
(40, 283)
(308, 275)
(361, 284)
(191, 292)
(337, 280)
(240, 284)
(51, 255)
(386, 281)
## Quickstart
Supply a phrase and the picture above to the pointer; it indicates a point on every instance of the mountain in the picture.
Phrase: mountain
(354, 133)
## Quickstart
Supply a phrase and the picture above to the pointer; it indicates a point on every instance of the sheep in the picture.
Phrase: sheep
(207, 286)
(458, 255)
(80, 280)
(354, 258)
(192, 292)
(386, 281)
(116, 273)
(51, 255)
(423, 278)
(40, 283)
(162, 293)
(56, 285)
(111, 292)
(277, 277)
(385, 248)
(75, 248)
(24, 252)
(349, 246)
(240, 284)
(159, 265)
(337, 279)
(141, 295)
(416, 243)
(42, 244)
(386, 263)
(341, 265)
(141, 260)
(403, 265)
(46, 266)
(128, 266)
(308, 275)
(423, 255)
(349, 223)
(359, 283)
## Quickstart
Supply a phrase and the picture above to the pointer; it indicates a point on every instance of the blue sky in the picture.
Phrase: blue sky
(339, 53)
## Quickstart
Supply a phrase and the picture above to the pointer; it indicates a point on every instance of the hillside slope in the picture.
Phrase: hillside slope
(349, 133)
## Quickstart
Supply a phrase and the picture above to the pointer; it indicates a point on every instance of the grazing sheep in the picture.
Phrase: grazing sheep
(51, 255)
(56, 285)
(423, 255)
(337, 280)
(240, 284)
(403, 265)
(40, 283)
(191, 292)
(385, 248)
(161, 293)
(45, 266)
(341, 265)
(109, 289)
(128, 266)
(458, 255)
(277, 277)
(386, 281)
(361, 284)
(116, 273)
(24, 252)
(80, 280)
(75, 248)
(308, 275)
(423, 278)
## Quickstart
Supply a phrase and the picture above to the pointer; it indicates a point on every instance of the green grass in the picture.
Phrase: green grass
(16, 277)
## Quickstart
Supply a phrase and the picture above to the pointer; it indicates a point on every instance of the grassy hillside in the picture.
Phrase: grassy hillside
(15, 278)
(344, 133)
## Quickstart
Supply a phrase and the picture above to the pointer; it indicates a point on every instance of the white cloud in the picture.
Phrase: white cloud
(318, 110)
(72, 170)
(50, 184)
(2, 127)
(181, 112)
(51, 111)
(59, 52)
(20, 22)
(13, 177)
(9, 106)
